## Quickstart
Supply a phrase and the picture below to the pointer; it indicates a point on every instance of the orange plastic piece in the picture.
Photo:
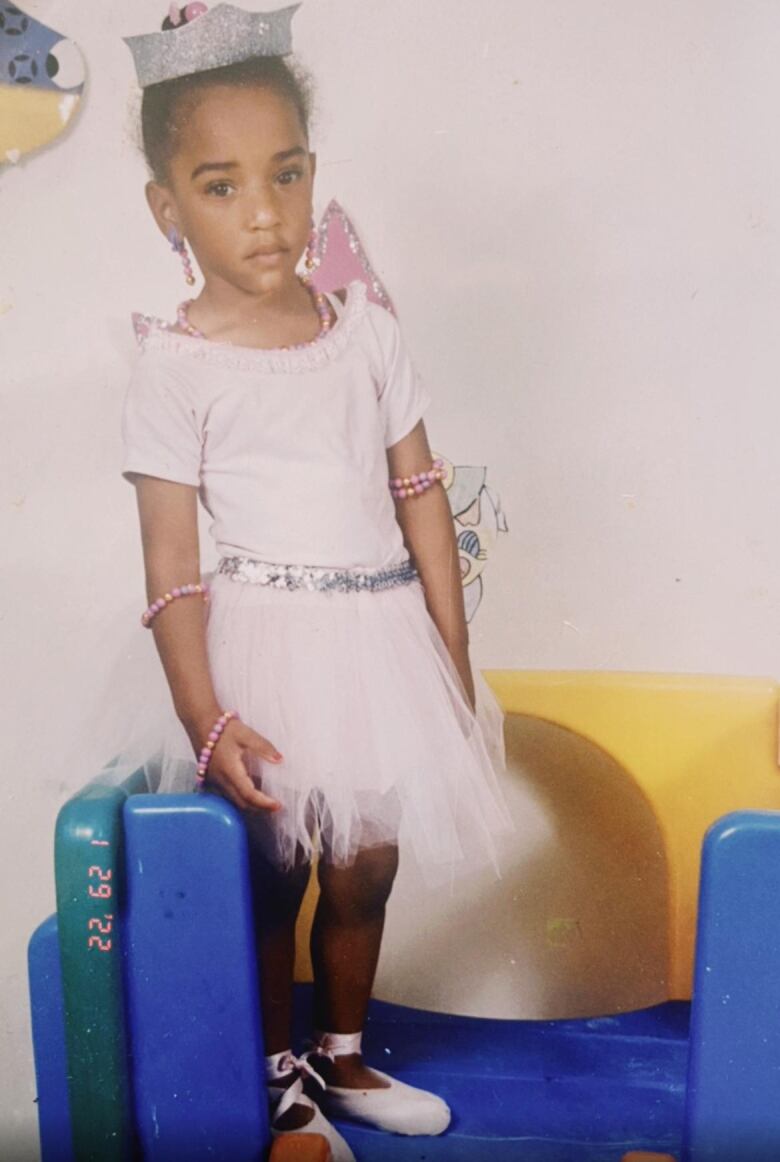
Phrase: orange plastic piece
(300, 1148)
(641, 1156)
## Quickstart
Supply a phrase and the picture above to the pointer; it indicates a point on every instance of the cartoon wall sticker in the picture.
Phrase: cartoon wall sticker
(41, 82)
(479, 518)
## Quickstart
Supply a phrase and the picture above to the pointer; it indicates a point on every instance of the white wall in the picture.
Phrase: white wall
(573, 204)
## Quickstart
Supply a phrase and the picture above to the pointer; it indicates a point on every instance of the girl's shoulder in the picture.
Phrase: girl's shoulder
(357, 317)
(145, 326)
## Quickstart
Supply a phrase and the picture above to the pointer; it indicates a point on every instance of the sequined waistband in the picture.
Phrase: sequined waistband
(315, 577)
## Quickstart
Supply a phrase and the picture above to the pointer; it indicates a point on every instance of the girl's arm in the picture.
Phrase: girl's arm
(169, 533)
(426, 523)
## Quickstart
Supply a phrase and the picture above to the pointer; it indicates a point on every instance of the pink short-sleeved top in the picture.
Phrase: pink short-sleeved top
(286, 447)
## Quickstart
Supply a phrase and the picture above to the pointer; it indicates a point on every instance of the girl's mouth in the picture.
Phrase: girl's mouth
(266, 257)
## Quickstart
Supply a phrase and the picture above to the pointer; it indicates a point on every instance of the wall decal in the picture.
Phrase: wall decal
(479, 518)
(41, 81)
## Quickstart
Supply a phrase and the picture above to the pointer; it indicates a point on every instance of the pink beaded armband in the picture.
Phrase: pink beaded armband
(204, 757)
(148, 616)
(404, 486)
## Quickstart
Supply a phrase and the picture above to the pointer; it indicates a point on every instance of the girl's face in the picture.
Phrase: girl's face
(239, 187)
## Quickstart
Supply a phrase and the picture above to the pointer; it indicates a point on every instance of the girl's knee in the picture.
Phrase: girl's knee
(277, 893)
(361, 890)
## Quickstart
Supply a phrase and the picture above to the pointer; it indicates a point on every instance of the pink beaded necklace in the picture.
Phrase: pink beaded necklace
(319, 300)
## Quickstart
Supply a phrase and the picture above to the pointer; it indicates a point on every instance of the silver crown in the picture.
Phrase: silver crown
(222, 36)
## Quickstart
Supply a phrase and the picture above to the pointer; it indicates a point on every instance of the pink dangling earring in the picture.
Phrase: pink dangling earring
(179, 246)
(311, 259)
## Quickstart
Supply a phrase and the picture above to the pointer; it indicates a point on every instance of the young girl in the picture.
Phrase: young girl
(324, 687)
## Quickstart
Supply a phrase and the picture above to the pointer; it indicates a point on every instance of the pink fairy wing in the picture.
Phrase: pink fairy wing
(342, 259)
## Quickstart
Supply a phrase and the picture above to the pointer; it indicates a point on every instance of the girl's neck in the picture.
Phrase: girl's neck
(278, 320)
(221, 300)
(283, 316)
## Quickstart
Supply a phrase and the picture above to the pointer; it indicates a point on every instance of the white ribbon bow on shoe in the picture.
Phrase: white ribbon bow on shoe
(294, 1094)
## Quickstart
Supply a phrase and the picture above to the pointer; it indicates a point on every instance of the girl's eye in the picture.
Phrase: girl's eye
(289, 176)
(219, 189)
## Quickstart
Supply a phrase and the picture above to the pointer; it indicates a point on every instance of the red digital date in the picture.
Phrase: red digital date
(104, 928)
(103, 890)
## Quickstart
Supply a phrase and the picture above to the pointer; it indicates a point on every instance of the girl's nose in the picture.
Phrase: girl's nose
(263, 212)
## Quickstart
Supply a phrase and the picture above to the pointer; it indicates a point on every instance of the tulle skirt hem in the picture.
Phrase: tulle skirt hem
(360, 695)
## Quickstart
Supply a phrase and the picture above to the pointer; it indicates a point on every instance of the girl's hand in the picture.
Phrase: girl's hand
(227, 770)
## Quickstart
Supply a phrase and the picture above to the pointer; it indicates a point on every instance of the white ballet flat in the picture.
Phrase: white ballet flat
(283, 1098)
(397, 1107)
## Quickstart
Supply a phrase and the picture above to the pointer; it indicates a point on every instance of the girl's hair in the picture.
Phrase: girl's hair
(165, 107)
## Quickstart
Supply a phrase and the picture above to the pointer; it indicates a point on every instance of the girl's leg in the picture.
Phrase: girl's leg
(346, 936)
(345, 940)
(277, 900)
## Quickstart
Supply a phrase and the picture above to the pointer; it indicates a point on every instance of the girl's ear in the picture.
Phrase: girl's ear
(163, 206)
(313, 164)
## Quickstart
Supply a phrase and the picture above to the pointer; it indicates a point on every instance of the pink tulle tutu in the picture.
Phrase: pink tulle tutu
(359, 693)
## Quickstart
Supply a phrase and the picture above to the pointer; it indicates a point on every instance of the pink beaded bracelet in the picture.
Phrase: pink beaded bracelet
(404, 486)
(205, 755)
(148, 616)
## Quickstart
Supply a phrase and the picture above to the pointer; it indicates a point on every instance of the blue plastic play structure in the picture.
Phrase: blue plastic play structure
(176, 990)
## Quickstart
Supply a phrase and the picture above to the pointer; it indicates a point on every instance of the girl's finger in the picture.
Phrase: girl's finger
(224, 790)
(245, 794)
(264, 748)
(251, 800)
(250, 740)
(259, 801)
